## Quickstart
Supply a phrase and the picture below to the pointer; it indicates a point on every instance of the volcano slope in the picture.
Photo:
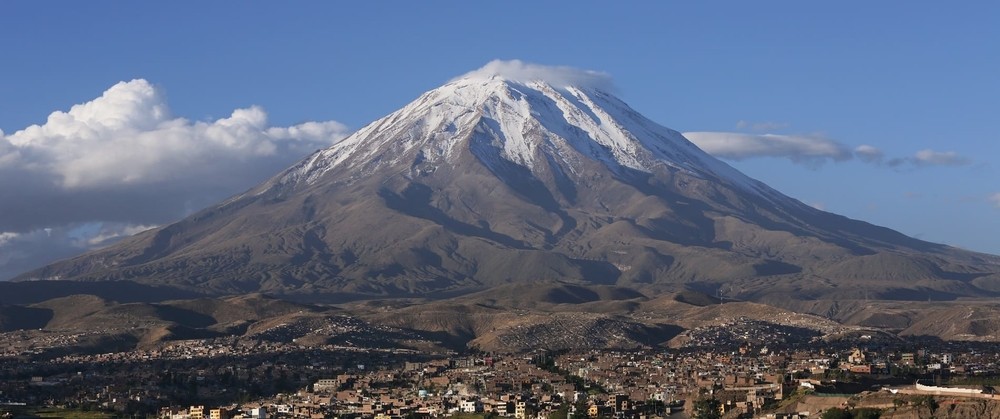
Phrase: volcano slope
(493, 180)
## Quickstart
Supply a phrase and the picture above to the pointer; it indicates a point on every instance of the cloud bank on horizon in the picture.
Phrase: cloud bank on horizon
(121, 163)
(797, 148)
(811, 151)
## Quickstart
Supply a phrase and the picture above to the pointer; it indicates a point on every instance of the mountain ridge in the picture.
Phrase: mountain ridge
(488, 181)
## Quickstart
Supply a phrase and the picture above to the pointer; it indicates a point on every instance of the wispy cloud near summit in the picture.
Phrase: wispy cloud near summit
(560, 76)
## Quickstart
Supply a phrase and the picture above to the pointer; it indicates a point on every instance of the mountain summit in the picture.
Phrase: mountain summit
(531, 125)
(524, 174)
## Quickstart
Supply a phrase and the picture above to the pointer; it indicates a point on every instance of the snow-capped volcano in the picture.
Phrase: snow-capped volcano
(521, 173)
(526, 121)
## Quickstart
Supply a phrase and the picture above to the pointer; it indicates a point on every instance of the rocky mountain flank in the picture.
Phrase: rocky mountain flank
(491, 181)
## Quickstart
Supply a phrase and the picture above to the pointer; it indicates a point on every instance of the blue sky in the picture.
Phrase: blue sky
(916, 82)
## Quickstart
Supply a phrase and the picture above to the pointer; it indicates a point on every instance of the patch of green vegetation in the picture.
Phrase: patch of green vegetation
(991, 381)
(863, 413)
(836, 413)
(866, 413)
(52, 412)
(474, 416)
(794, 398)
(927, 401)
(707, 409)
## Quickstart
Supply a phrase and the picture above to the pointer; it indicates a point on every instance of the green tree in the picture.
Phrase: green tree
(562, 413)
(928, 401)
(836, 413)
(707, 409)
(867, 413)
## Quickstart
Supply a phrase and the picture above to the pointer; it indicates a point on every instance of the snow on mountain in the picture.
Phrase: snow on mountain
(530, 113)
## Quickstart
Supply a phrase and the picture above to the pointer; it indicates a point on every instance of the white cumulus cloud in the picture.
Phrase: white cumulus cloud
(869, 154)
(797, 148)
(127, 136)
(559, 76)
(7, 237)
(123, 160)
(940, 158)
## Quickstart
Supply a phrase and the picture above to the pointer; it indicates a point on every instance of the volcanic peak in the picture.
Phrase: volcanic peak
(493, 179)
(521, 121)
(522, 72)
